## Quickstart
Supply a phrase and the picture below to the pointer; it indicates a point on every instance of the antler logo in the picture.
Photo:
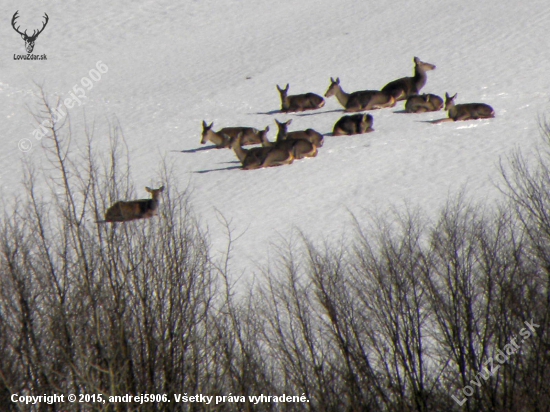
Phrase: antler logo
(29, 40)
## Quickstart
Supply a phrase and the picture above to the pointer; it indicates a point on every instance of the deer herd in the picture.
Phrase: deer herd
(293, 145)
(289, 146)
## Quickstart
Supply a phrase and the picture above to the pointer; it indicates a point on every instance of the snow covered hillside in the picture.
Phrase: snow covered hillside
(173, 65)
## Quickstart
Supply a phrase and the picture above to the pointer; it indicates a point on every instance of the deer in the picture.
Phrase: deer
(465, 111)
(124, 211)
(298, 147)
(359, 101)
(310, 135)
(223, 138)
(260, 157)
(299, 102)
(405, 87)
(353, 124)
(29, 40)
(423, 103)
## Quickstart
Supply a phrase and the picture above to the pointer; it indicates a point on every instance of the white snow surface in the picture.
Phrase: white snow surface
(172, 65)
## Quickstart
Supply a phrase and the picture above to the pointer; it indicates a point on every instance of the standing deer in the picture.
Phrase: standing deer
(223, 137)
(124, 211)
(310, 135)
(260, 157)
(361, 100)
(299, 102)
(405, 87)
(353, 124)
(466, 111)
(29, 40)
(423, 103)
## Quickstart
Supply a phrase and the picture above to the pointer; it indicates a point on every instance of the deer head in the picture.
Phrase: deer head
(29, 40)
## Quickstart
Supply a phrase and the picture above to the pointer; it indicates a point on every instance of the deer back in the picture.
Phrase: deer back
(472, 111)
(353, 124)
(303, 148)
(307, 101)
(277, 156)
(251, 135)
(369, 100)
(255, 157)
(423, 103)
(310, 135)
(123, 211)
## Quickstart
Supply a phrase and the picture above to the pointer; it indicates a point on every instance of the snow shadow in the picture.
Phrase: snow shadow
(313, 113)
(220, 169)
(198, 149)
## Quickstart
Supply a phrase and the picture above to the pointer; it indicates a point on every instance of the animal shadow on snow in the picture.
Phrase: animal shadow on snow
(313, 113)
(270, 112)
(198, 149)
(309, 113)
(238, 166)
(435, 121)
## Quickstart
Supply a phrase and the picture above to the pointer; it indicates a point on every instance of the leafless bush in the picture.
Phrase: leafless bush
(101, 309)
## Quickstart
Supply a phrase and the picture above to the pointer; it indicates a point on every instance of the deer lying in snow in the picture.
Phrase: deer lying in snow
(223, 137)
(310, 135)
(354, 124)
(423, 103)
(359, 101)
(124, 211)
(465, 111)
(260, 157)
(299, 102)
(297, 146)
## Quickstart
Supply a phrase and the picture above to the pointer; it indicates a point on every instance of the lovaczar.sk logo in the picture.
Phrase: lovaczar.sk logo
(29, 39)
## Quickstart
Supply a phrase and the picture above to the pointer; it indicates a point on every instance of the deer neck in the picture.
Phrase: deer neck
(266, 142)
(239, 151)
(217, 139)
(341, 95)
(281, 135)
(285, 102)
(153, 204)
(419, 78)
(453, 112)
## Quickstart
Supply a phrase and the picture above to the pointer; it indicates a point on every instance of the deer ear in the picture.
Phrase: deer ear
(278, 88)
(337, 80)
(288, 122)
(267, 129)
(148, 189)
(161, 189)
(287, 86)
